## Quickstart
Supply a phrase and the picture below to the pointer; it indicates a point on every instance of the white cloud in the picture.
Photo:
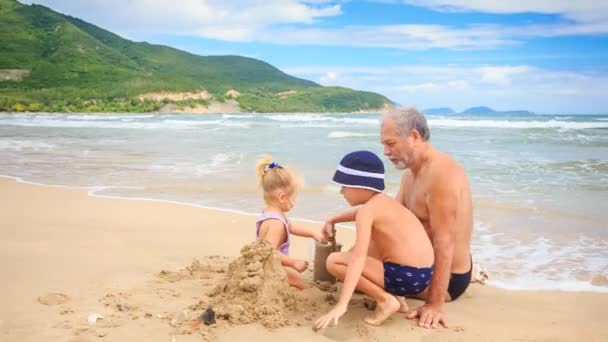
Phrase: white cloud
(578, 10)
(229, 20)
(329, 77)
(582, 16)
(293, 22)
(422, 87)
(501, 75)
(502, 87)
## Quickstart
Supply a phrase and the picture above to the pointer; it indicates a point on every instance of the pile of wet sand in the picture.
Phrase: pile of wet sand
(255, 289)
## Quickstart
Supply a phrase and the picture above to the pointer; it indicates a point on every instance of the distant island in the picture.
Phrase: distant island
(50, 62)
(481, 110)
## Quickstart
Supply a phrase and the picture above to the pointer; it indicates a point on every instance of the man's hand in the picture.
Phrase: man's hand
(327, 231)
(430, 316)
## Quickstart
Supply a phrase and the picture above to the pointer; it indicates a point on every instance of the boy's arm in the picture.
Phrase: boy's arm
(347, 216)
(354, 270)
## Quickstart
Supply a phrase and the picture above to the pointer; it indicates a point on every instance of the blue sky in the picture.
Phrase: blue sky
(548, 56)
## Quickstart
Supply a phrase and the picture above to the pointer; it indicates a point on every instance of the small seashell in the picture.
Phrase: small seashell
(92, 319)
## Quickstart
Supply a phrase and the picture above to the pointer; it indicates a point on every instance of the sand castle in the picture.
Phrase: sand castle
(255, 289)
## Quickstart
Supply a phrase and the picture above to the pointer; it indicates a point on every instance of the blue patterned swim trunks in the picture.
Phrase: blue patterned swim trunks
(400, 280)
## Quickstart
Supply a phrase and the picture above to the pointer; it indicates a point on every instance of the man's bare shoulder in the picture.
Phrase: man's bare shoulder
(446, 167)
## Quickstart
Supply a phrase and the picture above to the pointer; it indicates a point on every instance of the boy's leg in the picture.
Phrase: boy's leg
(371, 283)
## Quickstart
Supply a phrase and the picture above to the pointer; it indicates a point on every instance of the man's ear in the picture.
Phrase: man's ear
(415, 135)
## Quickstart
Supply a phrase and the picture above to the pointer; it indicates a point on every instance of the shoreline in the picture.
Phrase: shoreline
(574, 286)
(193, 113)
(58, 239)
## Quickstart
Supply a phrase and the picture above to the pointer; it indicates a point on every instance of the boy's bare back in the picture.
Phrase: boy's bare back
(397, 234)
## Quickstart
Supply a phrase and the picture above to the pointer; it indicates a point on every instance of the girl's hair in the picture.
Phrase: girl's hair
(273, 176)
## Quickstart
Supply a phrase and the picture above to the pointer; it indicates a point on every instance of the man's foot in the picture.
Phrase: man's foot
(479, 275)
(384, 310)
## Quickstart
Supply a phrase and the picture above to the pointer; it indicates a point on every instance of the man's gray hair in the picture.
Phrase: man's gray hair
(407, 119)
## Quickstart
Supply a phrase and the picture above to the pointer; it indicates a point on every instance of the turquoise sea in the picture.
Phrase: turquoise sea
(540, 182)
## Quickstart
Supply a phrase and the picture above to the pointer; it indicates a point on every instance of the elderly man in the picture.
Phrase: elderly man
(436, 189)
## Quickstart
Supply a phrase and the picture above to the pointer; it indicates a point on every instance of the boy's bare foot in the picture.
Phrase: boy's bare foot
(403, 308)
(300, 265)
(384, 309)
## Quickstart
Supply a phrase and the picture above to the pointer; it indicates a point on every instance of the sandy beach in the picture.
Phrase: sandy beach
(132, 262)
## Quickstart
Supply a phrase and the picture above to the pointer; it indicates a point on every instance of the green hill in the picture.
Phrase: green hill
(54, 62)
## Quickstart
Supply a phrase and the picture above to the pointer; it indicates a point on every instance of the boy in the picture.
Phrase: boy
(404, 263)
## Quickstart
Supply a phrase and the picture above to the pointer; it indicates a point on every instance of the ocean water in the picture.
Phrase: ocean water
(540, 182)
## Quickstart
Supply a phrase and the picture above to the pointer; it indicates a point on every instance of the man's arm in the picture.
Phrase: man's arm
(442, 204)
(401, 194)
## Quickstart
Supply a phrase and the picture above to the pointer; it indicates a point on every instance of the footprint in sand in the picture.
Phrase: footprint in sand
(53, 298)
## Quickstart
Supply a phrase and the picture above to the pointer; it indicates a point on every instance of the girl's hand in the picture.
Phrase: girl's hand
(300, 265)
(331, 317)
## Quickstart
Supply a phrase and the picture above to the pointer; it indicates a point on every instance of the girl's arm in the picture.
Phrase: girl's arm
(303, 231)
(274, 232)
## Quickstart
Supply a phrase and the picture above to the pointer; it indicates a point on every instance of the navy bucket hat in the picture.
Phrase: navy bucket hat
(361, 169)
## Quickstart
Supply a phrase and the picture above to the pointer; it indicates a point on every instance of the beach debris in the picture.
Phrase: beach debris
(93, 318)
(66, 311)
(208, 317)
(179, 318)
(330, 299)
(99, 333)
(369, 304)
(600, 280)
(148, 315)
(326, 286)
(53, 298)
(122, 307)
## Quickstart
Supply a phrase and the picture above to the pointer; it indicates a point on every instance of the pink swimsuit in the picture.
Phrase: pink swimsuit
(284, 247)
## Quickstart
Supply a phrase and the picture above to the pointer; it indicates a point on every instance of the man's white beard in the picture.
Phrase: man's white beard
(400, 165)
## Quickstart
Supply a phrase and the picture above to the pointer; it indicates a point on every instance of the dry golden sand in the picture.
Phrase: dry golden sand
(65, 255)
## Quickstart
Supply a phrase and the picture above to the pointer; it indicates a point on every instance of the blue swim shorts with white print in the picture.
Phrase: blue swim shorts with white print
(400, 280)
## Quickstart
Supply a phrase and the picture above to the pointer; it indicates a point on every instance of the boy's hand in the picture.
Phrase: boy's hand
(331, 317)
(300, 265)
(319, 236)
(328, 230)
